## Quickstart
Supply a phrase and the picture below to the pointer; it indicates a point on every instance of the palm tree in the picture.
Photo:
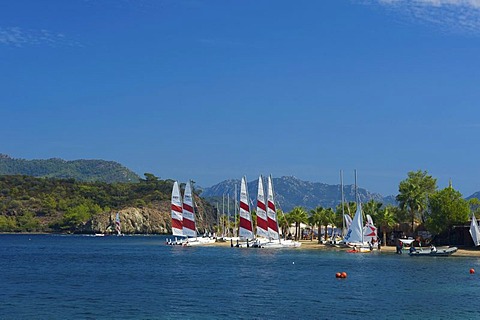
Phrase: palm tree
(386, 220)
(298, 215)
(329, 218)
(284, 222)
(316, 218)
(372, 208)
(410, 199)
(324, 217)
(413, 193)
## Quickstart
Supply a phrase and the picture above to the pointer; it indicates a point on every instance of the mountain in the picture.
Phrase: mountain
(81, 170)
(291, 192)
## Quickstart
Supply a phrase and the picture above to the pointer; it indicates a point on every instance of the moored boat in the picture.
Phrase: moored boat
(436, 252)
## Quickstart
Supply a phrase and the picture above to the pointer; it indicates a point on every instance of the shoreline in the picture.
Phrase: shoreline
(306, 245)
(314, 245)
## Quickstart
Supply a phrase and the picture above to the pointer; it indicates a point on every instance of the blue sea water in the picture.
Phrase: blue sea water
(135, 277)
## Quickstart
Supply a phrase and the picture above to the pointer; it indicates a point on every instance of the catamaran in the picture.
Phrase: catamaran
(177, 217)
(355, 234)
(188, 215)
(245, 230)
(275, 241)
(262, 220)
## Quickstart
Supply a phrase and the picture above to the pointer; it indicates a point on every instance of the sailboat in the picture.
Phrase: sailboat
(118, 227)
(262, 220)
(475, 231)
(275, 240)
(355, 234)
(188, 220)
(245, 230)
(370, 233)
(177, 217)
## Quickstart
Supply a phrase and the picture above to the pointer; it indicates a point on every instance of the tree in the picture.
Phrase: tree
(447, 208)
(474, 204)
(298, 215)
(372, 208)
(385, 219)
(413, 193)
(315, 219)
(324, 217)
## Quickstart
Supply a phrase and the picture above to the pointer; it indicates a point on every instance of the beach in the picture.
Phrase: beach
(314, 245)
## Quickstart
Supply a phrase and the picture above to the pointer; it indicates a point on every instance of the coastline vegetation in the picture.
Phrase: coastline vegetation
(30, 204)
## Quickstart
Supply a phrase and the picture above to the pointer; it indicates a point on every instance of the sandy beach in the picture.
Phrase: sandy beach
(314, 245)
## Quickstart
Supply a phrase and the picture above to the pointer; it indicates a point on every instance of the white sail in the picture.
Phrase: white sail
(370, 231)
(118, 226)
(176, 208)
(262, 221)
(348, 220)
(271, 212)
(246, 228)
(474, 231)
(355, 232)
(188, 212)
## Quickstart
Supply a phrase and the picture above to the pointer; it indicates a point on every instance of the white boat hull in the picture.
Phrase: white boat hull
(279, 244)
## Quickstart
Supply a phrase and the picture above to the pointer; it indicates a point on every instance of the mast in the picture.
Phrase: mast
(356, 191)
(188, 211)
(176, 211)
(223, 215)
(262, 220)
(245, 229)
(343, 204)
(228, 213)
(357, 200)
(273, 233)
(218, 222)
(235, 214)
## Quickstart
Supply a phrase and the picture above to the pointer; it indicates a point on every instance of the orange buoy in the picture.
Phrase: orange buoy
(338, 275)
(343, 275)
(472, 271)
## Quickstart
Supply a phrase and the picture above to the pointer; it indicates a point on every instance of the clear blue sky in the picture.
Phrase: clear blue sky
(213, 90)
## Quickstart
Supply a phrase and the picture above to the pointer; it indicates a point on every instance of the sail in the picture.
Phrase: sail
(176, 208)
(369, 231)
(188, 212)
(348, 220)
(117, 224)
(246, 228)
(474, 231)
(262, 221)
(271, 212)
(355, 232)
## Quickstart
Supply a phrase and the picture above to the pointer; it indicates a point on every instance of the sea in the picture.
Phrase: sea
(139, 277)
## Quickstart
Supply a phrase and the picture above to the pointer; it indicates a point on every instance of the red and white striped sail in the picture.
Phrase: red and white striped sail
(177, 225)
(262, 221)
(271, 212)
(189, 229)
(246, 228)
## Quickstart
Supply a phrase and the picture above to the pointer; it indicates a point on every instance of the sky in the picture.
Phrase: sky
(211, 90)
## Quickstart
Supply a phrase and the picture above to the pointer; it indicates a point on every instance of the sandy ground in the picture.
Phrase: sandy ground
(313, 245)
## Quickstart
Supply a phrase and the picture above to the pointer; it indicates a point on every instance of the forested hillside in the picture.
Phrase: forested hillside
(29, 204)
(81, 170)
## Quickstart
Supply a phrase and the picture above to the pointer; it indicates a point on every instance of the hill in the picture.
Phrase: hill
(29, 204)
(81, 170)
(291, 192)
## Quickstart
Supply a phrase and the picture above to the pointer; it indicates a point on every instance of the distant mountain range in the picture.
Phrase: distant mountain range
(81, 170)
(291, 192)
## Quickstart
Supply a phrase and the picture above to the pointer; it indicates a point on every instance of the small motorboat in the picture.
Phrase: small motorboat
(436, 252)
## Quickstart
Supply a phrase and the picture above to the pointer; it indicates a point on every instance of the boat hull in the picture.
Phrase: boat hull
(441, 252)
